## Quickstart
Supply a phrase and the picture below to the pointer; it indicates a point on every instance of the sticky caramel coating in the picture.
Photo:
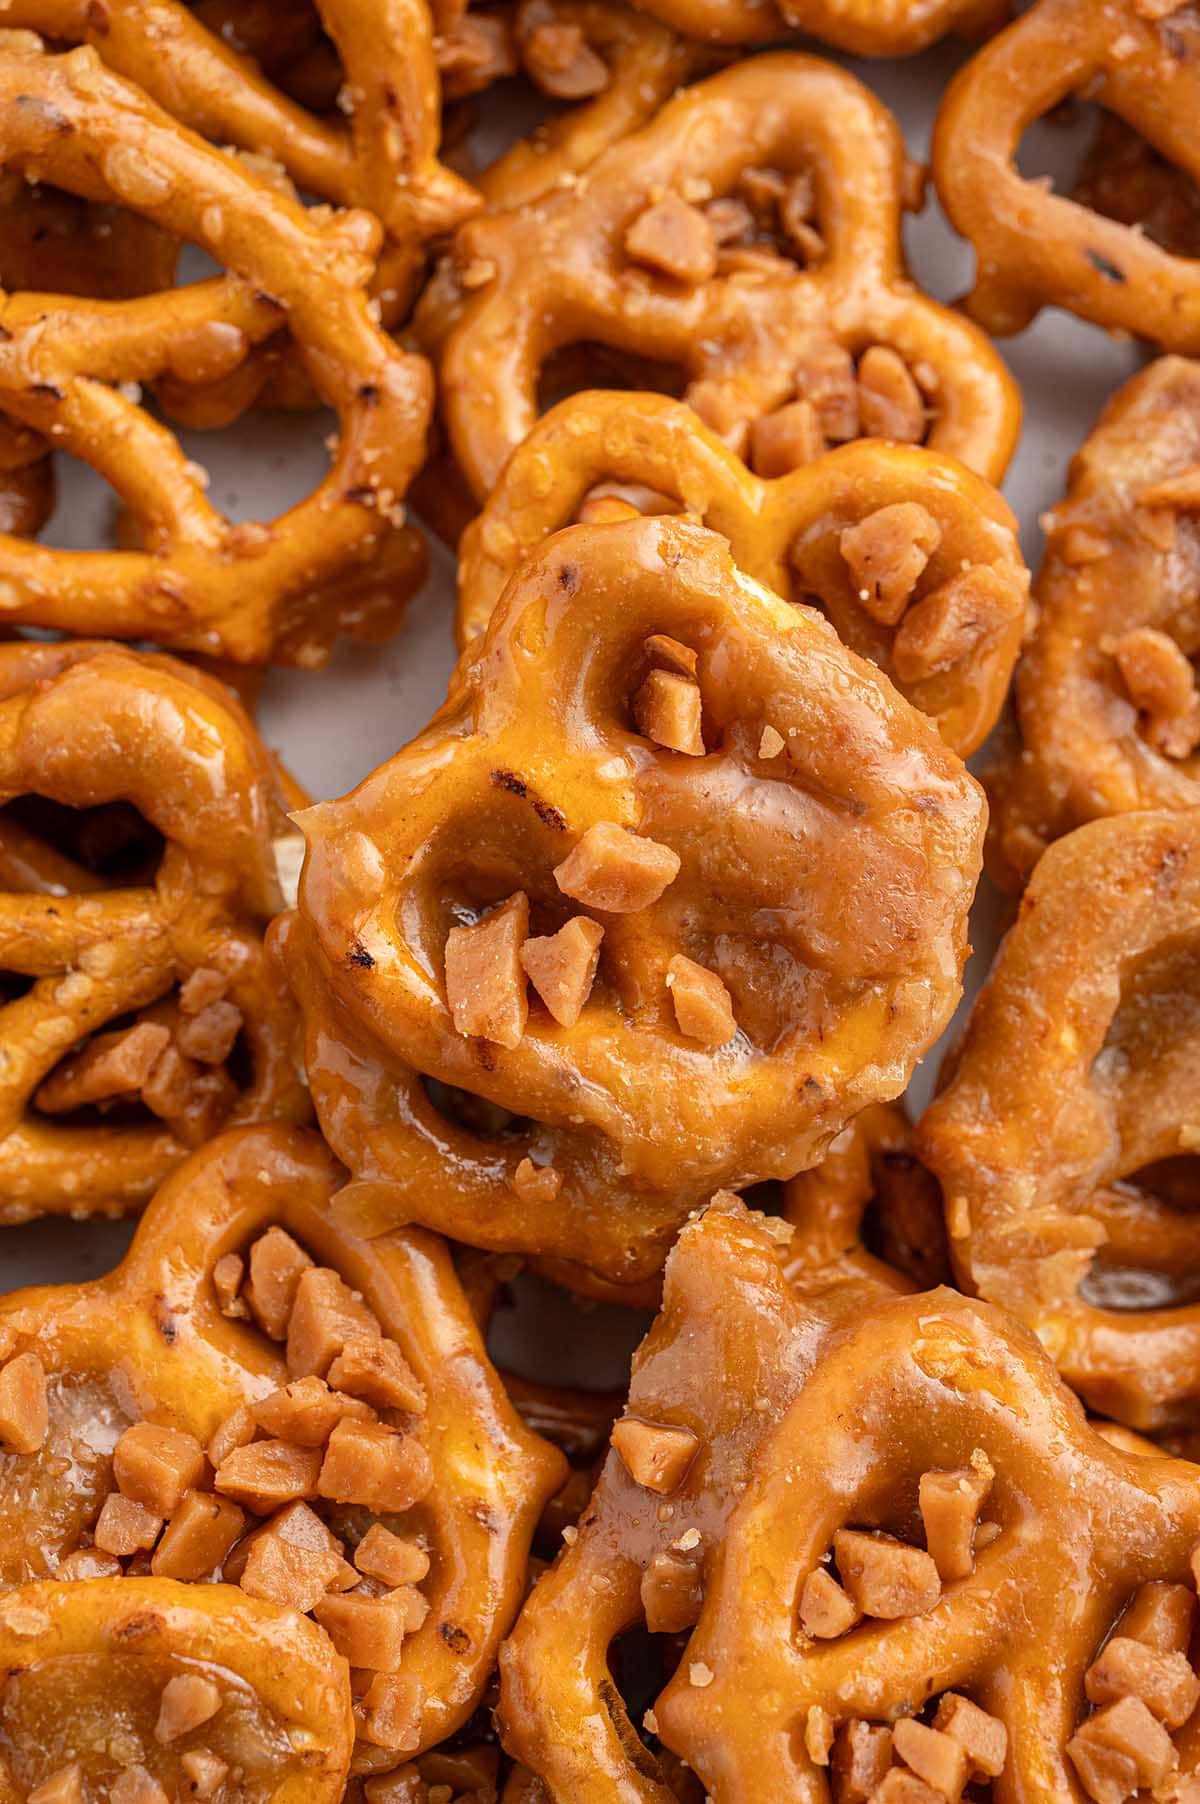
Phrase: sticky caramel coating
(1034, 248)
(863, 27)
(86, 724)
(534, 755)
(1071, 1088)
(918, 1384)
(1121, 556)
(245, 592)
(869, 1165)
(85, 1665)
(785, 533)
(724, 1286)
(150, 1342)
(382, 156)
(527, 282)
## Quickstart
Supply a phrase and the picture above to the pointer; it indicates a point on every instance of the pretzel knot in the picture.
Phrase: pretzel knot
(1107, 713)
(1137, 58)
(913, 558)
(140, 1659)
(1063, 1139)
(118, 992)
(245, 592)
(255, 1399)
(750, 235)
(943, 1413)
(707, 1013)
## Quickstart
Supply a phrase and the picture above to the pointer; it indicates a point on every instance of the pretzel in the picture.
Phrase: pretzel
(870, 1166)
(646, 1547)
(628, 257)
(939, 1411)
(946, 629)
(1073, 1083)
(131, 987)
(243, 592)
(1136, 58)
(684, 1068)
(145, 1655)
(1107, 718)
(382, 157)
(863, 27)
(384, 1405)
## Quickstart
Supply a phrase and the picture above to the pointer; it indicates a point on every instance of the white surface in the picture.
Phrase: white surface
(335, 725)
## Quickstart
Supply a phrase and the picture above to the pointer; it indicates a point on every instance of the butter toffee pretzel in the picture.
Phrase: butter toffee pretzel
(1137, 58)
(913, 558)
(1107, 715)
(1064, 1135)
(555, 826)
(261, 1409)
(135, 989)
(247, 592)
(750, 234)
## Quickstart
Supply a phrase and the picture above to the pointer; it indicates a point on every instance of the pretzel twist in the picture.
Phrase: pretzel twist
(535, 756)
(787, 534)
(154, 1342)
(914, 1385)
(564, 269)
(243, 592)
(1073, 1084)
(79, 1656)
(1107, 717)
(1035, 248)
(86, 725)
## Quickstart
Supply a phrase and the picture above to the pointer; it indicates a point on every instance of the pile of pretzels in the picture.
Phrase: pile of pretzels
(606, 990)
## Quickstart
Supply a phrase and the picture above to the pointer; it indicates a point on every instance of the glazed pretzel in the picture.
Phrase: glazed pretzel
(589, 262)
(917, 1386)
(1034, 248)
(534, 768)
(384, 156)
(1073, 1083)
(645, 1552)
(243, 592)
(163, 1340)
(948, 639)
(863, 27)
(1107, 716)
(84, 726)
(107, 1651)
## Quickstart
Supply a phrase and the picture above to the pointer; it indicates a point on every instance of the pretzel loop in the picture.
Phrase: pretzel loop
(526, 283)
(535, 755)
(797, 534)
(96, 135)
(1035, 248)
(1063, 1103)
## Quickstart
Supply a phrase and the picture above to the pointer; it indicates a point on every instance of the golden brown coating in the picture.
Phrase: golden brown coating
(1137, 58)
(380, 149)
(992, 1541)
(732, 1346)
(247, 592)
(380, 1403)
(1063, 1140)
(140, 1013)
(748, 236)
(1107, 717)
(104, 1680)
(914, 559)
(812, 892)
(863, 27)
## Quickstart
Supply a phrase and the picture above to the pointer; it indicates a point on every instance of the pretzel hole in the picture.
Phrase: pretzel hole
(588, 363)
(86, 1418)
(114, 843)
(1155, 1265)
(104, 1711)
